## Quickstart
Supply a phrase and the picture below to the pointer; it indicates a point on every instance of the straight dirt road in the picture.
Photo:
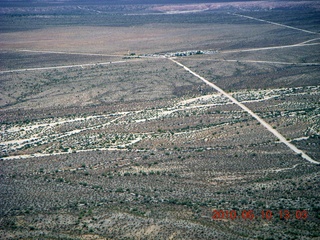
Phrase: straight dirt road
(258, 61)
(260, 120)
(69, 53)
(62, 67)
(274, 23)
(269, 48)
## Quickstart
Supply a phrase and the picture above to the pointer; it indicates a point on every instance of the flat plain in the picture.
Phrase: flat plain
(104, 136)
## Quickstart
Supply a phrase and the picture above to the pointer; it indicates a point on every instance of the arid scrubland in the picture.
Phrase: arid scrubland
(103, 137)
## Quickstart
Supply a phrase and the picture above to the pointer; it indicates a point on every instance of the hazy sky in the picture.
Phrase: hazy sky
(86, 2)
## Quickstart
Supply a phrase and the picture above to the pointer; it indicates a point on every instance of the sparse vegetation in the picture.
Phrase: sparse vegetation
(132, 146)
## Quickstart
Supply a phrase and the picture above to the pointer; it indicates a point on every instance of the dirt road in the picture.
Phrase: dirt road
(269, 48)
(62, 67)
(274, 23)
(259, 61)
(69, 53)
(260, 120)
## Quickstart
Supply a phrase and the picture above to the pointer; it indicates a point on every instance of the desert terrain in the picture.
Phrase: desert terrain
(141, 121)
